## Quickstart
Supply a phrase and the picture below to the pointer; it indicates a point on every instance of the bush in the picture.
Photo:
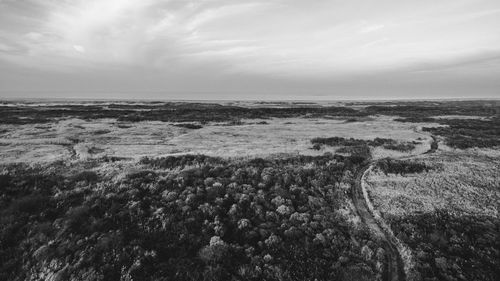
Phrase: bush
(87, 176)
(30, 204)
(452, 247)
(357, 143)
(469, 133)
(189, 126)
(389, 166)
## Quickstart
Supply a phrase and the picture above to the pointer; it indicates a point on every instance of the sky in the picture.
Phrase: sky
(253, 49)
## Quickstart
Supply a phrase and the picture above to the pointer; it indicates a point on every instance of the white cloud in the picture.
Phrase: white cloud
(372, 28)
(79, 48)
(35, 36)
(275, 37)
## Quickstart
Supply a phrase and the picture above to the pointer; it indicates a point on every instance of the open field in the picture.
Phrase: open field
(249, 191)
(464, 183)
(250, 137)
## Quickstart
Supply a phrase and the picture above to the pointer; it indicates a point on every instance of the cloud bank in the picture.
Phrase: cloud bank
(249, 49)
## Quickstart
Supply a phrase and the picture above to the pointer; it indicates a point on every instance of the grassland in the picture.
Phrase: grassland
(463, 184)
(250, 137)
(443, 210)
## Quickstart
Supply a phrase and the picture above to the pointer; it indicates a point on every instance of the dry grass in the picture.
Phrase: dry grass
(465, 183)
(33, 143)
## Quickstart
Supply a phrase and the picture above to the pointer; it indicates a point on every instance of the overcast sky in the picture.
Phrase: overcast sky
(235, 49)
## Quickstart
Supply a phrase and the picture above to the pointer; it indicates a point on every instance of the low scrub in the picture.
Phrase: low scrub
(469, 133)
(449, 247)
(351, 142)
(189, 126)
(389, 166)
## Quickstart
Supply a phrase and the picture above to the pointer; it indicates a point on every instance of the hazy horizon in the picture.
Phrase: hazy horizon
(250, 50)
(269, 100)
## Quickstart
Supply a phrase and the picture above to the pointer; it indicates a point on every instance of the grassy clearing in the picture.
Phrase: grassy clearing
(468, 184)
(250, 138)
(445, 207)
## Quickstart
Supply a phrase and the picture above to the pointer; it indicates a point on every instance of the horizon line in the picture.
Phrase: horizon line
(247, 100)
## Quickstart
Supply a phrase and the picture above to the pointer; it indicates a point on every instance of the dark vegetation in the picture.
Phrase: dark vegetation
(101, 132)
(458, 133)
(167, 112)
(181, 162)
(123, 126)
(351, 142)
(359, 152)
(184, 218)
(338, 141)
(421, 110)
(189, 126)
(451, 247)
(469, 132)
(402, 167)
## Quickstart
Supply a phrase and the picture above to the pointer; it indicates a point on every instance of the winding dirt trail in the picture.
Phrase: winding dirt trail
(394, 268)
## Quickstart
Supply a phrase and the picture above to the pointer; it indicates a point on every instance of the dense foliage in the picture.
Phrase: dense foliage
(189, 126)
(469, 132)
(422, 110)
(206, 112)
(458, 133)
(184, 218)
(401, 167)
(385, 143)
(182, 161)
(167, 112)
(451, 247)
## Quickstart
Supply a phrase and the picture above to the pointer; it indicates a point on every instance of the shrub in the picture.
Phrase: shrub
(189, 126)
(101, 132)
(87, 176)
(389, 166)
(29, 204)
(352, 144)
